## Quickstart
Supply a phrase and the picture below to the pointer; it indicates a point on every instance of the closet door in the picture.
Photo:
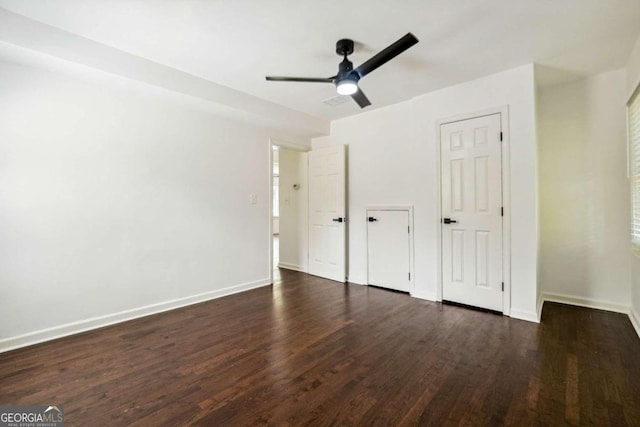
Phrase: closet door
(388, 236)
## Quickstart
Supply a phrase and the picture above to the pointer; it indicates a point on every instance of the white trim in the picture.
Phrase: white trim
(390, 208)
(635, 320)
(585, 302)
(472, 115)
(292, 267)
(270, 196)
(438, 207)
(290, 145)
(73, 328)
(409, 210)
(634, 89)
(506, 203)
(627, 140)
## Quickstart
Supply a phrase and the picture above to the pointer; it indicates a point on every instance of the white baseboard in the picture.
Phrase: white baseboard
(635, 320)
(585, 302)
(60, 331)
(529, 316)
(292, 267)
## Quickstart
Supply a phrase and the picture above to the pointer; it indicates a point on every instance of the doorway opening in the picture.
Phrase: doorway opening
(288, 236)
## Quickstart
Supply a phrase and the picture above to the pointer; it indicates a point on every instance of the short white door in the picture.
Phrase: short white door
(472, 212)
(388, 249)
(327, 218)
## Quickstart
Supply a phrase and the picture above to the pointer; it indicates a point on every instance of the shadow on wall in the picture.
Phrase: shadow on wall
(547, 75)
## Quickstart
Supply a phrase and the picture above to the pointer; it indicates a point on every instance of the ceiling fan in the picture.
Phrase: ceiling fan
(346, 80)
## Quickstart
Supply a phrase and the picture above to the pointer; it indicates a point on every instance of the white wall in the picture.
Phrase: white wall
(633, 80)
(584, 191)
(111, 202)
(392, 161)
(293, 209)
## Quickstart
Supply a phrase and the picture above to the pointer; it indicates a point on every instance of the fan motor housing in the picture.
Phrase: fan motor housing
(345, 70)
(344, 47)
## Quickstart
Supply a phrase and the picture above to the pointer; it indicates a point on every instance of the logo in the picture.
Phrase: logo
(32, 416)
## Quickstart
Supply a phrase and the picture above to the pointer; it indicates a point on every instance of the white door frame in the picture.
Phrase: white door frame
(289, 146)
(506, 200)
(407, 208)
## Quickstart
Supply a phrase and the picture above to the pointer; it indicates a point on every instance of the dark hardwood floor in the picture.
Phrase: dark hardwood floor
(307, 351)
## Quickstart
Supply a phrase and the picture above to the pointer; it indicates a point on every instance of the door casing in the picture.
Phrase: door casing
(506, 200)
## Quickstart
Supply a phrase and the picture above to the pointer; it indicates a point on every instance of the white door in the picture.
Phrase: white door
(472, 212)
(388, 249)
(327, 219)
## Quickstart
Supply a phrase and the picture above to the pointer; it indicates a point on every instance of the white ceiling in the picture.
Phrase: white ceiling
(236, 43)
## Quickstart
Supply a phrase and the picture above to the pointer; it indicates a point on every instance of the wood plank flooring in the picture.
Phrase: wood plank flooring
(307, 351)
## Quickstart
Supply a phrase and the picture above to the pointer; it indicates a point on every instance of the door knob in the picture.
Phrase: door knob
(449, 221)
(371, 219)
(338, 219)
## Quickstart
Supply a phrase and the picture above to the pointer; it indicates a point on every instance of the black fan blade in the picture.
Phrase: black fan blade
(387, 54)
(361, 99)
(299, 79)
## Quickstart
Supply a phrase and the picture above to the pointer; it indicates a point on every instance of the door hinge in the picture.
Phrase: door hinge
(409, 276)
(500, 136)
(502, 211)
(502, 286)
(408, 229)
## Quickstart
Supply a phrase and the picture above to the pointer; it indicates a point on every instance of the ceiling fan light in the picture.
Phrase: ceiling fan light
(347, 87)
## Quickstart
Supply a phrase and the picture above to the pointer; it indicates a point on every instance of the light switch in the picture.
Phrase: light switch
(253, 198)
